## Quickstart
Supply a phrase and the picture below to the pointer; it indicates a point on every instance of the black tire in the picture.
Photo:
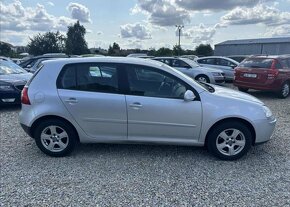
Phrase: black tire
(70, 140)
(202, 78)
(284, 92)
(243, 89)
(214, 138)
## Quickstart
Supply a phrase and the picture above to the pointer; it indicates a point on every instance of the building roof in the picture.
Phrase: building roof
(256, 41)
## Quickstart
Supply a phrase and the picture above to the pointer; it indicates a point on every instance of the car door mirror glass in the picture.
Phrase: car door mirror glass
(189, 96)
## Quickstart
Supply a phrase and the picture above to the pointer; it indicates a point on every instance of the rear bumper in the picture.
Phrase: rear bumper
(11, 97)
(252, 85)
(26, 129)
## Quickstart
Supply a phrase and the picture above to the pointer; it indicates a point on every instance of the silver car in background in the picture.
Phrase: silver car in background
(227, 65)
(132, 100)
(193, 69)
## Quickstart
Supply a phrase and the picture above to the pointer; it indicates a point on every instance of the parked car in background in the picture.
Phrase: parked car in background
(193, 69)
(268, 73)
(191, 57)
(12, 80)
(137, 101)
(238, 58)
(30, 62)
(225, 64)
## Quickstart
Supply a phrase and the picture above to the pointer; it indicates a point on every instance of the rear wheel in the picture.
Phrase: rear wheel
(229, 140)
(55, 138)
(285, 90)
(202, 78)
(243, 89)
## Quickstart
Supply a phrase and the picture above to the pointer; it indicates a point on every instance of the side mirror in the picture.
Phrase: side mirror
(189, 96)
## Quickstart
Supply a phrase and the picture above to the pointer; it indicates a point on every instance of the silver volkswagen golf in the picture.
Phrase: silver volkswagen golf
(131, 100)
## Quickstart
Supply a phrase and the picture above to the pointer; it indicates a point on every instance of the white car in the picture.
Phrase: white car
(132, 100)
(193, 69)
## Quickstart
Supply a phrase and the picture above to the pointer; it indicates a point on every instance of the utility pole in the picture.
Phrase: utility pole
(179, 27)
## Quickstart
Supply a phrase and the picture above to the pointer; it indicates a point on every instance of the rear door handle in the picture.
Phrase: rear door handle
(135, 105)
(71, 100)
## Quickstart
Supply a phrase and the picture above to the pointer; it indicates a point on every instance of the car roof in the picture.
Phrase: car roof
(222, 57)
(125, 60)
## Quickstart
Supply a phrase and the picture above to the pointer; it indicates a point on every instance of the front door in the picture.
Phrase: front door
(90, 93)
(156, 109)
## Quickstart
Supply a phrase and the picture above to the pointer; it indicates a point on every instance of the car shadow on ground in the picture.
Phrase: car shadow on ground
(10, 107)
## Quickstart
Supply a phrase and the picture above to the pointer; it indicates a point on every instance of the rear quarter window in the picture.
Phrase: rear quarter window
(257, 63)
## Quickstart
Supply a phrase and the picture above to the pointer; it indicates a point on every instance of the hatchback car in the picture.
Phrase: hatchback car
(268, 73)
(132, 100)
(194, 70)
(12, 80)
(225, 64)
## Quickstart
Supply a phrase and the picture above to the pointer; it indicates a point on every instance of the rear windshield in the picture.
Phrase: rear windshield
(257, 63)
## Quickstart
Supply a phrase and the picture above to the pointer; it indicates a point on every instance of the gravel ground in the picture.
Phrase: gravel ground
(143, 175)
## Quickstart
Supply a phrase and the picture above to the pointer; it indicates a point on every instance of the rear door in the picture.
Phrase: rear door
(156, 109)
(91, 94)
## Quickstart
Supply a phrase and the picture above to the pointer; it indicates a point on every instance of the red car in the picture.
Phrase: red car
(267, 73)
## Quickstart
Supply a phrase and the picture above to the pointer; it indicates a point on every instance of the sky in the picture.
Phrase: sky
(146, 24)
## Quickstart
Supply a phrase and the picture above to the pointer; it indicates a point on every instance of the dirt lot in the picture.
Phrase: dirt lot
(143, 175)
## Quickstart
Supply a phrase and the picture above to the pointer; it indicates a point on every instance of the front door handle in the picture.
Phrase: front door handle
(71, 100)
(135, 105)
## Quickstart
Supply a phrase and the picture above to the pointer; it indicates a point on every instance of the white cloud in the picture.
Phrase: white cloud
(14, 17)
(279, 31)
(49, 3)
(162, 12)
(137, 31)
(79, 12)
(216, 5)
(267, 15)
(201, 34)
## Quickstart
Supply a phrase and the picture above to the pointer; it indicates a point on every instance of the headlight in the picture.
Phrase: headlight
(267, 111)
(6, 88)
(216, 74)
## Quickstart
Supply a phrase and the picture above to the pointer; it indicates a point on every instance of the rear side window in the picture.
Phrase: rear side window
(93, 77)
(210, 61)
(285, 64)
(257, 63)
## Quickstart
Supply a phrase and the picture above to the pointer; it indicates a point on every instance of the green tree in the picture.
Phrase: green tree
(75, 42)
(177, 50)
(114, 50)
(163, 51)
(204, 50)
(5, 49)
(50, 42)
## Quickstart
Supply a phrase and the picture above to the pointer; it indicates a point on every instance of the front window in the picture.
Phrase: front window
(7, 67)
(145, 81)
(257, 63)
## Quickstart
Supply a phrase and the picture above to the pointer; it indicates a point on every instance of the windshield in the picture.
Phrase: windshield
(7, 67)
(192, 63)
(257, 63)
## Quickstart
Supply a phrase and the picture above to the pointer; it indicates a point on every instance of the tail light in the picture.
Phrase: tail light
(272, 74)
(24, 96)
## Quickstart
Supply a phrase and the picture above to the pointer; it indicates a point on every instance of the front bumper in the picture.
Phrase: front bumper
(264, 129)
(219, 79)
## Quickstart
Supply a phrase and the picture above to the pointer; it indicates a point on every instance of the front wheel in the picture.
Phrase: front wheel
(202, 78)
(229, 140)
(55, 138)
(285, 90)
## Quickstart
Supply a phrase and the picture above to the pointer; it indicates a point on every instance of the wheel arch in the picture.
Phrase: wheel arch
(49, 117)
(247, 123)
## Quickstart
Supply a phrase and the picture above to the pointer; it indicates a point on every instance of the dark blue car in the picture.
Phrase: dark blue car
(12, 80)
